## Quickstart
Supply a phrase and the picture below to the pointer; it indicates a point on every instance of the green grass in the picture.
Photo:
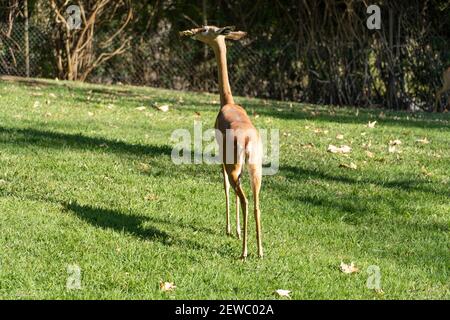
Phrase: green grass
(87, 179)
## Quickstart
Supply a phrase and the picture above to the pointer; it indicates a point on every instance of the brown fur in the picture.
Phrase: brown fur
(244, 140)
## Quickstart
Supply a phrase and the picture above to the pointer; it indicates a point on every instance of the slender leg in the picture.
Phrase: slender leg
(226, 185)
(234, 172)
(238, 222)
(255, 176)
(244, 205)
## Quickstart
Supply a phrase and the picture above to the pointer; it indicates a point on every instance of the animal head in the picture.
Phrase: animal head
(212, 34)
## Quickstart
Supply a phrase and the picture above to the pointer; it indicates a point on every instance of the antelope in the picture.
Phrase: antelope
(445, 88)
(239, 141)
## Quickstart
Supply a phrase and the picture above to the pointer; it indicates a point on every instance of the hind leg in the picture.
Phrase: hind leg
(234, 173)
(255, 171)
(238, 220)
(226, 186)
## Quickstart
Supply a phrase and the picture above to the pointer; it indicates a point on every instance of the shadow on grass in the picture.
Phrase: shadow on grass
(362, 119)
(134, 225)
(408, 184)
(52, 139)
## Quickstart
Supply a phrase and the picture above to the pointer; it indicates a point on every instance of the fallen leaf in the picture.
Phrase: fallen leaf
(318, 130)
(348, 268)
(341, 149)
(371, 124)
(52, 95)
(367, 145)
(141, 108)
(144, 167)
(393, 149)
(166, 286)
(425, 171)
(283, 293)
(90, 114)
(423, 141)
(308, 145)
(349, 166)
(340, 137)
(36, 104)
(2, 181)
(163, 108)
(369, 154)
(151, 197)
(395, 142)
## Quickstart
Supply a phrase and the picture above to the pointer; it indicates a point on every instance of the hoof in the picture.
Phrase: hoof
(243, 257)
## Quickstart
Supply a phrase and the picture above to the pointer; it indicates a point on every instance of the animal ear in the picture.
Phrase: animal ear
(225, 30)
(235, 35)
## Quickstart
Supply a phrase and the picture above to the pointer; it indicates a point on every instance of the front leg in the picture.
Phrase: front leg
(238, 220)
(226, 185)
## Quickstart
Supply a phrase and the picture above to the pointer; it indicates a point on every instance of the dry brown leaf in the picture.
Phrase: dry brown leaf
(393, 149)
(425, 172)
(166, 286)
(151, 197)
(395, 142)
(163, 108)
(423, 141)
(371, 124)
(340, 137)
(52, 95)
(367, 145)
(283, 293)
(341, 149)
(90, 114)
(308, 145)
(369, 154)
(348, 268)
(145, 167)
(351, 165)
(142, 108)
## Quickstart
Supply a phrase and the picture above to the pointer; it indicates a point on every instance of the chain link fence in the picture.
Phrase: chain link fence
(330, 73)
(164, 61)
(13, 60)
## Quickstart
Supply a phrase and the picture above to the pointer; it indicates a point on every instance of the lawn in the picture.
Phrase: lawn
(86, 179)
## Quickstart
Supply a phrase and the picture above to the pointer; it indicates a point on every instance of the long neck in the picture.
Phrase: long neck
(224, 84)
